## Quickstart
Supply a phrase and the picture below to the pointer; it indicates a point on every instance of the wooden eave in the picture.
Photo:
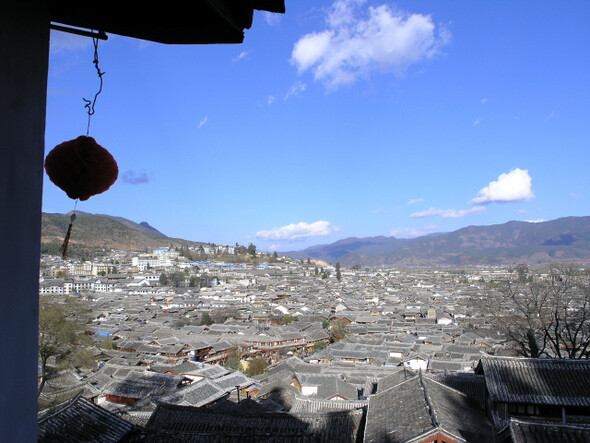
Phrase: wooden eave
(172, 22)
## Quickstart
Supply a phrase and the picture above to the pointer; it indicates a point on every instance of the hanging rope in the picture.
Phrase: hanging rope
(90, 104)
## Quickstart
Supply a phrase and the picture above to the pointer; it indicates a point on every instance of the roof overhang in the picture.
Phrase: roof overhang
(171, 22)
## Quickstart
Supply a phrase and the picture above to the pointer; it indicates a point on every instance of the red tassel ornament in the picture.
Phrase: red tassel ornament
(82, 168)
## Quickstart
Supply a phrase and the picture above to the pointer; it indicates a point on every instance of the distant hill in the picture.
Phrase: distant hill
(564, 239)
(151, 228)
(93, 232)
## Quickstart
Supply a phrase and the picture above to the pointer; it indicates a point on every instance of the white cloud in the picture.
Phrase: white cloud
(553, 114)
(242, 55)
(271, 18)
(296, 231)
(132, 177)
(539, 220)
(270, 100)
(203, 121)
(65, 41)
(296, 89)
(484, 101)
(360, 40)
(414, 201)
(511, 187)
(447, 213)
(413, 232)
(476, 122)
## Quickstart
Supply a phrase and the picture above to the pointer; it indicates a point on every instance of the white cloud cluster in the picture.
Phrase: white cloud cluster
(271, 18)
(511, 187)
(296, 231)
(296, 89)
(414, 201)
(447, 213)
(361, 40)
(132, 177)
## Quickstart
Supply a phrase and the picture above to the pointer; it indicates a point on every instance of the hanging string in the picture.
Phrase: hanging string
(90, 109)
(90, 104)
(64, 247)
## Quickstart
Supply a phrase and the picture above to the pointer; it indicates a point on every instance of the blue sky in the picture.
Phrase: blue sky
(338, 119)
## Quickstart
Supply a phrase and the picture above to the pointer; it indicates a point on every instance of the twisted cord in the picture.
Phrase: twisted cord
(90, 104)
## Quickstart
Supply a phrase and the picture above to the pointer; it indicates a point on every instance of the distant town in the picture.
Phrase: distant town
(314, 351)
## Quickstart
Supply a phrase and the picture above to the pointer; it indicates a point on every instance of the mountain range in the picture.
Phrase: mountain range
(560, 240)
(93, 232)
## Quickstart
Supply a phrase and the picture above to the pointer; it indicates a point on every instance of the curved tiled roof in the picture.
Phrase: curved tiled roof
(561, 382)
(80, 420)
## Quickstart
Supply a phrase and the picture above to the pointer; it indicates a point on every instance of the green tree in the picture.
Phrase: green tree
(206, 319)
(338, 331)
(288, 318)
(256, 366)
(60, 330)
(233, 359)
(319, 346)
(325, 324)
(163, 279)
(107, 344)
(338, 274)
(252, 250)
(176, 279)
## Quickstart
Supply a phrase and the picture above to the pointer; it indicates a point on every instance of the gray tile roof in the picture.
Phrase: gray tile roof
(472, 385)
(393, 379)
(526, 431)
(182, 423)
(230, 381)
(398, 414)
(201, 393)
(142, 385)
(537, 381)
(329, 386)
(80, 420)
(314, 405)
(420, 406)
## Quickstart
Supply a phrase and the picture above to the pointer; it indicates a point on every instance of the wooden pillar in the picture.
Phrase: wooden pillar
(24, 54)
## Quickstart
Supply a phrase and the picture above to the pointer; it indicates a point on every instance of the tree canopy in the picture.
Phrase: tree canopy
(60, 331)
(548, 313)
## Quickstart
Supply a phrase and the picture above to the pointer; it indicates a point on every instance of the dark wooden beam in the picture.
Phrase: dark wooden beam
(24, 56)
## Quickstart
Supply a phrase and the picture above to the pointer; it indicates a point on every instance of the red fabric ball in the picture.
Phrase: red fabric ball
(81, 167)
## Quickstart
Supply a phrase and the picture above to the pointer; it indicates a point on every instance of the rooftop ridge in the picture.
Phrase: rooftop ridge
(429, 404)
